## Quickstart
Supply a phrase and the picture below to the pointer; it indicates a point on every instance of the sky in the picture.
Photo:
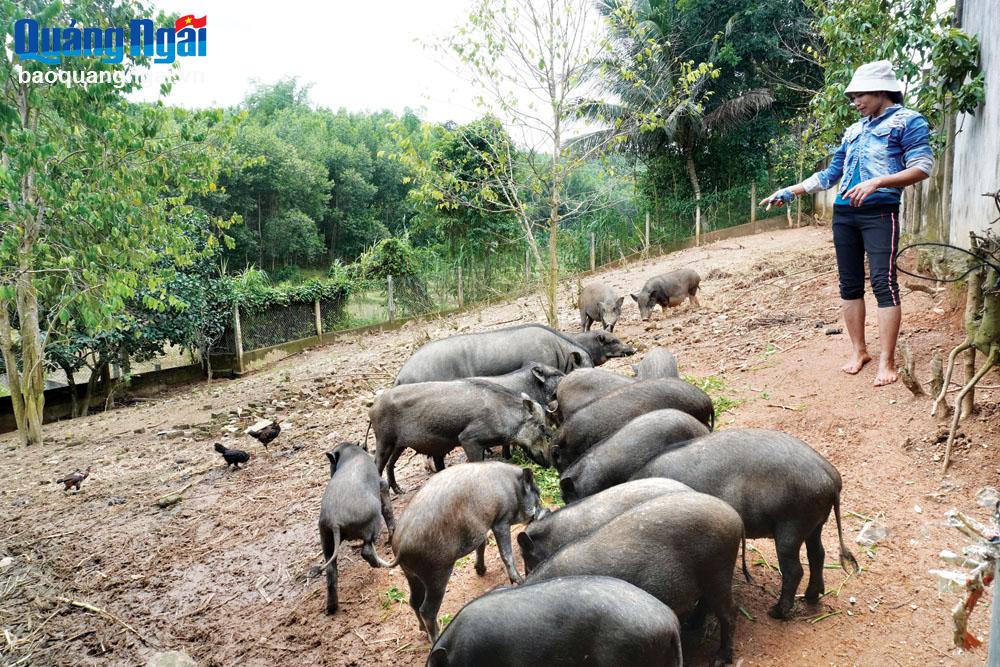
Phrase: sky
(358, 55)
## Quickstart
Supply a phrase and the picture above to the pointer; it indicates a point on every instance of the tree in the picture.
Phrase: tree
(661, 101)
(280, 195)
(87, 185)
(531, 62)
(937, 63)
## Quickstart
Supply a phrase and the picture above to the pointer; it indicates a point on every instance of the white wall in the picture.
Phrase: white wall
(977, 142)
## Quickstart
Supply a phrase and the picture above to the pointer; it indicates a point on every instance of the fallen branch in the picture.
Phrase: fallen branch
(106, 614)
(918, 287)
(823, 617)
(797, 408)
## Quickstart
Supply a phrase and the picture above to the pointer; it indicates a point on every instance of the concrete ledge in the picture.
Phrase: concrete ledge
(59, 401)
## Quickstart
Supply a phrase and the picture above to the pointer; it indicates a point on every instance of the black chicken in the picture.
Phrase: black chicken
(74, 479)
(266, 434)
(233, 457)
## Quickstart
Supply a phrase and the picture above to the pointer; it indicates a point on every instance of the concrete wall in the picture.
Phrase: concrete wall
(977, 138)
(58, 402)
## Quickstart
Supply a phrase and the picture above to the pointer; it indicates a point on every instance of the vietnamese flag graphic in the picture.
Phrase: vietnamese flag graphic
(190, 21)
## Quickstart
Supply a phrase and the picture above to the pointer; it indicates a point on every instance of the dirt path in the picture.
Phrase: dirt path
(220, 574)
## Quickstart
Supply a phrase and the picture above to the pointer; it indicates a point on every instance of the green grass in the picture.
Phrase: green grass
(444, 620)
(547, 480)
(717, 389)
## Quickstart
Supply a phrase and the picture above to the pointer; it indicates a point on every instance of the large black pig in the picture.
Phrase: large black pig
(781, 487)
(435, 417)
(616, 459)
(496, 352)
(594, 621)
(353, 500)
(602, 418)
(680, 547)
(550, 532)
(450, 517)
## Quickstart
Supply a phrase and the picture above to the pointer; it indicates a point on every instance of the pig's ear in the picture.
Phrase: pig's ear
(334, 457)
(527, 476)
(527, 402)
(577, 358)
(555, 454)
(438, 657)
(634, 297)
(602, 337)
(525, 542)
(567, 487)
(619, 302)
(538, 372)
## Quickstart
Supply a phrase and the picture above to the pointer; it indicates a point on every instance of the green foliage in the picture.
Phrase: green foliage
(397, 258)
(290, 273)
(311, 182)
(91, 186)
(392, 595)
(546, 479)
(716, 388)
(198, 310)
(912, 34)
(390, 257)
(253, 292)
(699, 113)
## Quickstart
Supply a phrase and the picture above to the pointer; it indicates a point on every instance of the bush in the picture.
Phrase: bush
(288, 274)
(397, 258)
(253, 291)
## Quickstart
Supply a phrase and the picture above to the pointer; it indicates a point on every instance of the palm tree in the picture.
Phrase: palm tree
(662, 102)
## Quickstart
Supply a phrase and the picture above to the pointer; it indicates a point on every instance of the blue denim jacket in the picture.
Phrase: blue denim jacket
(896, 140)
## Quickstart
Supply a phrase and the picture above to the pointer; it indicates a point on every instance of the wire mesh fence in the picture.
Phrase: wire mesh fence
(277, 324)
(446, 284)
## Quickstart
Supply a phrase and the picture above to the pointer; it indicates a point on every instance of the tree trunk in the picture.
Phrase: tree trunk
(550, 292)
(696, 186)
(73, 399)
(553, 272)
(32, 380)
(95, 375)
(13, 375)
(798, 200)
(260, 236)
(206, 355)
(32, 369)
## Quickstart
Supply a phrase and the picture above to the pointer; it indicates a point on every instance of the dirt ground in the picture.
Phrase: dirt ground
(107, 576)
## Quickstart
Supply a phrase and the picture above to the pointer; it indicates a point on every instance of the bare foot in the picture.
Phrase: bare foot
(885, 376)
(857, 362)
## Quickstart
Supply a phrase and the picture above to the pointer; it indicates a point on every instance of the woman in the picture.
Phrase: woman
(885, 151)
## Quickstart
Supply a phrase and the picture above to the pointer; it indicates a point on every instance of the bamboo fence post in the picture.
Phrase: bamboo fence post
(645, 247)
(392, 303)
(238, 336)
(593, 263)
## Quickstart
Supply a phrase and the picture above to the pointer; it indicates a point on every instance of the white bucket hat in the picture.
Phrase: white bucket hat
(874, 77)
